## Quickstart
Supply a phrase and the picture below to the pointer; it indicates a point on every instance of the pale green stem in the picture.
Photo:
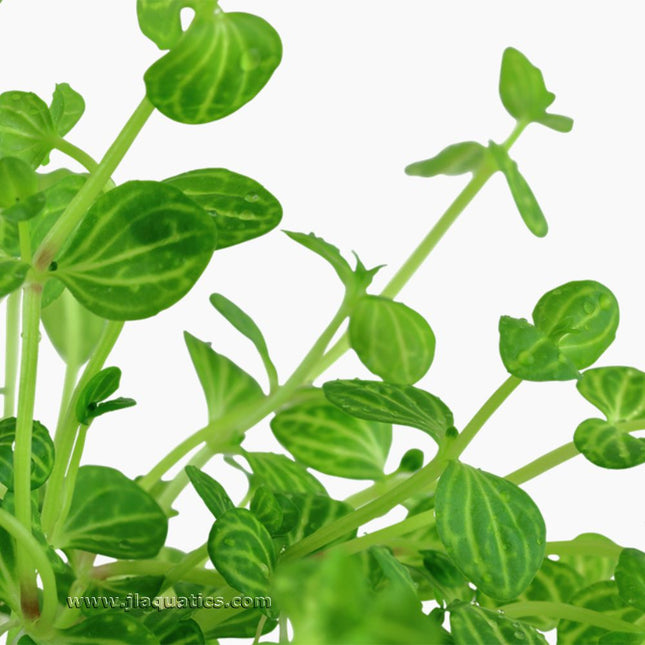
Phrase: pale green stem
(193, 559)
(258, 631)
(543, 464)
(12, 351)
(71, 375)
(375, 490)
(582, 546)
(565, 611)
(77, 208)
(77, 154)
(24, 427)
(283, 638)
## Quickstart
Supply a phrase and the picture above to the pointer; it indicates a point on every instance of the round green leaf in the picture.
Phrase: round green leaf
(630, 577)
(242, 551)
(140, 249)
(392, 340)
(241, 207)
(223, 61)
(607, 446)
(492, 530)
(113, 516)
(323, 437)
(42, 453)
(66, 108)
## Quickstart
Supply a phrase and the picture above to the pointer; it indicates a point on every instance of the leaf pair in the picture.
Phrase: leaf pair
(572, 326)
(92, 402)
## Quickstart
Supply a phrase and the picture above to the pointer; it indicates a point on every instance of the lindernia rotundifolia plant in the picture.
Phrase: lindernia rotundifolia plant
(469, 563)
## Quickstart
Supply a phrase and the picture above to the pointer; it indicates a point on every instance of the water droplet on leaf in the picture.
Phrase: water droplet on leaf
(252, 197)
(589, 306)
(519, 636)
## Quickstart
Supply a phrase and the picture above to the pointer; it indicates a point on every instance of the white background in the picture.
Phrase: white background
(365, 88)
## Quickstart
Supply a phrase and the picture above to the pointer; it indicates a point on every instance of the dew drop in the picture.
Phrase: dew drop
(500, 612)
(540, 541)
(251, 197)
(589, 306)
(519, 636)
(250, 60)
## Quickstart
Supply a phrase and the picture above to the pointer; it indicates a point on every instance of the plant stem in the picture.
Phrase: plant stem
(193, 559)
(71, 375)
(77, 208)
(77, 154)
(258, 631)
(543, 464)
(11, 352)
(565, 611)
(24, 427)
(580, 546)
(375, 490)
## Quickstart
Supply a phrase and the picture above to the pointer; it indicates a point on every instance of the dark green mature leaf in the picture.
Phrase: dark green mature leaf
(226, 386)
(448, 583)
(241, 207)
(211, 491)
(619, 392)
(523, 196)
(109, 628)
(90, 403)
(491, 529)
(411, 461)
(390, 403)
(66, 108)
(323, 437)
(242, 624)
(620, 638)
(112, 515)
(456, 159)
(281, 474)
(73, 330)
(26, 127)
(112, 594)
(242, 551)
(392, 340)
(524, 94)
(12, 274)
(473, 625)
(267, 508)
(593, 567)
(223, 61)
(630, 577)
(602, 597)
(154, 243)
(42, 453)
(171, 626)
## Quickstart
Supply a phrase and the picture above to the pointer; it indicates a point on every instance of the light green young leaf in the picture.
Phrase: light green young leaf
(223, 59)
(523, 196)
(226, 386)
(392, 340)
(593, 567)
(42, 453)
(26, 127)
(281, 474)
(245, 325)
(630, 577)
(241, 207)
(210, 490)
(117, 628)
(456, 159)
(473, 625)
(12, 274)
(390, 403)
(242, 551)
(323, 437)
(73, 330)
(18, 181)
(91, 401)
(556, 122)
(66, 108)
(491, 529)
(113, 516)
(140, 249)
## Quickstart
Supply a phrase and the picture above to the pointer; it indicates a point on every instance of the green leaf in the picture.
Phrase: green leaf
(66, 108)
(411, 461)
(160, 20)
(90, 401)
(456, 159)
(281, 474)
(117, 628)
(392, 340)
(530, 354)
(226, 386)
(473, 625)
(211, 491)
(26, 127)
(266, 507)
(602, 597)
(223, 59)
(390, 403)
(242, 551)
(396, 574)
(619, 392)
(241, 207)
(242, 624)
(491, 529)
(323, 437)
(112, 594)
(18, 180)
(245, 325)
(448, 583)
(113, 516)
(593, 567)
(42, 453)
(523, 196)
(12, 274)
(171, 626)
(73, 330)
(630, 577)
(556, 122)
(154, 244)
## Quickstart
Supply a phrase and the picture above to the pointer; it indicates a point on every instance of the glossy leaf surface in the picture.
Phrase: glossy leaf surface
(630, 577)
(491, 529)
(392, 340)
(456, 159)
(210, 490)
(154, 244)
(66, 108)
(109, 628)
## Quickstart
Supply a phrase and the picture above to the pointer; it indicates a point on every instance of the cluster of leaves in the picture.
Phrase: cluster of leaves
(472, 542)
